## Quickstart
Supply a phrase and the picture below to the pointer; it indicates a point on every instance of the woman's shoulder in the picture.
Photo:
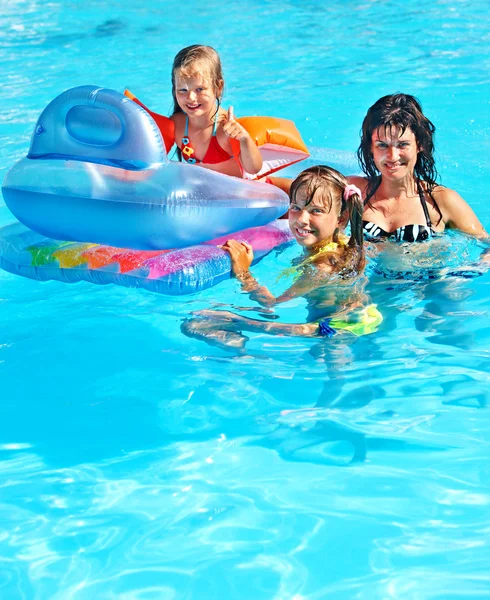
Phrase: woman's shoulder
(456, 212)
(447, 199)
(358, 180)
(444, 194)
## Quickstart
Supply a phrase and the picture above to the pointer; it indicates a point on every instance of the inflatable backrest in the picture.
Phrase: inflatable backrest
(98, 125)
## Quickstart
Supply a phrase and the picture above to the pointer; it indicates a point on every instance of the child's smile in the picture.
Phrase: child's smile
(195, 95)
(311, 223)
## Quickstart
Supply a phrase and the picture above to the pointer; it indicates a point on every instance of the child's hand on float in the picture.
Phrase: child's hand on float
(241, 255)
(233, 129)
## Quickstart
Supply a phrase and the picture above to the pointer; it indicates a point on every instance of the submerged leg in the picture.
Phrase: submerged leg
(233, 322)
(224, 329)
(212, 334)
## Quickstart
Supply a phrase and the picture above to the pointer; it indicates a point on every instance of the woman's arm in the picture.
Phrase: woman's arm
(456, 213)
(359, 181)
(283, 183)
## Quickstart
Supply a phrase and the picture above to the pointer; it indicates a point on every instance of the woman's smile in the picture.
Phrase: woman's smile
(394, 151)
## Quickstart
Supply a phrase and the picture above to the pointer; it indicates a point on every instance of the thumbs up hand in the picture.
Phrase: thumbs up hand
(249, 156)
(232, 128)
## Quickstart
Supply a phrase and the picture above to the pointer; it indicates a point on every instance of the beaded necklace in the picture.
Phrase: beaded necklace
(187, 149)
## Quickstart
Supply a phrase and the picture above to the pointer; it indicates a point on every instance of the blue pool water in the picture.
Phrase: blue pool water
(137, 463)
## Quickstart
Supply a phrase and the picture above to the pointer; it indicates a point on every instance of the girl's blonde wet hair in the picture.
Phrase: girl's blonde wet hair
(198, 60)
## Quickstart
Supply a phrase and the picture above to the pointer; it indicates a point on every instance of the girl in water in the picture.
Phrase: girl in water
(205, 133)
(322, 203)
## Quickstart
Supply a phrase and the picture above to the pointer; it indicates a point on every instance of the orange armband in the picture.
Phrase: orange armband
(278, 140)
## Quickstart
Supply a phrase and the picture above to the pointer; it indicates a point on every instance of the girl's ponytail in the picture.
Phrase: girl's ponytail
(352, 197)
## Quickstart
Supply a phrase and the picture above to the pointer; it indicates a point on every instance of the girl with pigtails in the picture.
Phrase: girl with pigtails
(322, 204)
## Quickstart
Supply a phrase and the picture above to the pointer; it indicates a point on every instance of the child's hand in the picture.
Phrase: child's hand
(233, 129)
(241, 255)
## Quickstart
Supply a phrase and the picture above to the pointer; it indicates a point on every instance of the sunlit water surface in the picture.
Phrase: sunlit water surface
(138, 463)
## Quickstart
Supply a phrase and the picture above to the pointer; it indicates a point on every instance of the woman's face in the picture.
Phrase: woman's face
(394, 153)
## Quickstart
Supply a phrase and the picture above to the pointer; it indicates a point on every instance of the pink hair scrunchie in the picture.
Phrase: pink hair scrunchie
(351, 189)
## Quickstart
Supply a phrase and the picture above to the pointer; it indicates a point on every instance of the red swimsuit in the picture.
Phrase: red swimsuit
(214, 154)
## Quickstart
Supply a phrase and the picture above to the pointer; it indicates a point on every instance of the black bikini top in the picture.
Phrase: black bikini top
(406, 233)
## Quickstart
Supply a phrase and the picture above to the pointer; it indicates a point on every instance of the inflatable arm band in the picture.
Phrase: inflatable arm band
(97, 172)
(278, 140)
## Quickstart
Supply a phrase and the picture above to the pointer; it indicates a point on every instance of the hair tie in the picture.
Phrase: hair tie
(351, 189)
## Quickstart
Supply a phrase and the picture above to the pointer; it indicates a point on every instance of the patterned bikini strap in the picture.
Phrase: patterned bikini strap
(187, 149)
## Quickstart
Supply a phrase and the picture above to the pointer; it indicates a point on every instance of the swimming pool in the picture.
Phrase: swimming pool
(138, 463)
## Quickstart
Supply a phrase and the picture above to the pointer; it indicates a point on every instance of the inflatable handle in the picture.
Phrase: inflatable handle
(164, 124)
(98, 125)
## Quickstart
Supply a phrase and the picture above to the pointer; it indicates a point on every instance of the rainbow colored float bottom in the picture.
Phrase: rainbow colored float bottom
(174, 272)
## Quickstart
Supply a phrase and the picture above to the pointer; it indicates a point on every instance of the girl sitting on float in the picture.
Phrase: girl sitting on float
(203, 129)
(209, 136)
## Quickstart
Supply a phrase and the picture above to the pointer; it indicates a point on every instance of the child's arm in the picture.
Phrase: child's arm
(250, 156)
(228, 167)
(241, 255)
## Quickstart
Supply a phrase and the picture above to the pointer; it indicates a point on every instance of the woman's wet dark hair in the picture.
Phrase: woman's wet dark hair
(400, 112)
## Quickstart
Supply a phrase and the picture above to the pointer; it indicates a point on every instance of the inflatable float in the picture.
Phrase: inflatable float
(97, 171)
(184, 271)
(98, 178)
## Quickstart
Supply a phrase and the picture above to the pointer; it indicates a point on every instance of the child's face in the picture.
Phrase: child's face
(195, 94)
(312, 223)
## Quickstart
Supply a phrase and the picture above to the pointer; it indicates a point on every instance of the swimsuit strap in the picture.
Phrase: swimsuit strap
(371, 193)
(186, 132)
(421, 196)
(187, 149)
(424, 204)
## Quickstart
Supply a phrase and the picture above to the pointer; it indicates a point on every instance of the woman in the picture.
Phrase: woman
(403, 202)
